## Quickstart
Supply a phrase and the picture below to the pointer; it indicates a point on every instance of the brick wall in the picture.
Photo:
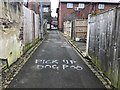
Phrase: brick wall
(34, 6)
(83, 13)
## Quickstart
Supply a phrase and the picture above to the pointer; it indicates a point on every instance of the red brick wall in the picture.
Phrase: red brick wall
(107, 7)
(63, 11)
(34, 6)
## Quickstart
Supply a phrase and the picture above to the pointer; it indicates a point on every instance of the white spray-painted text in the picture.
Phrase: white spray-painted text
(57, 65)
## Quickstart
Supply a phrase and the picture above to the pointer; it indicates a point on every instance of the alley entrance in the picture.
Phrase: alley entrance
(55, 64)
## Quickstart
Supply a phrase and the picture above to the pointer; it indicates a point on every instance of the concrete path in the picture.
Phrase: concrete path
(55, 64)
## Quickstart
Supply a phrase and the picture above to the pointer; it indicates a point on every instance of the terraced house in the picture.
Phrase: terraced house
(79, 9)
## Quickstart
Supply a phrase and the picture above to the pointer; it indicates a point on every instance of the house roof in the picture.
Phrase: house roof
(100, 1)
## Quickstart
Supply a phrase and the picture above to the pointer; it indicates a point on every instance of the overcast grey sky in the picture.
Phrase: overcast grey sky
(54, 5)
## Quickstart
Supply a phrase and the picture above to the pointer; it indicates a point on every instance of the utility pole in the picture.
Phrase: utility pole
(41, 19)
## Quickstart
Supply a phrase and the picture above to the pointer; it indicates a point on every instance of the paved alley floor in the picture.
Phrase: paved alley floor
(55, 64)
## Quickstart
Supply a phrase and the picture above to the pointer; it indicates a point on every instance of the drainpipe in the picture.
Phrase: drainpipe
(41, 19)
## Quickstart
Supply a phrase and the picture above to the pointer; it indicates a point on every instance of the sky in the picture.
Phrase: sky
(54, 5)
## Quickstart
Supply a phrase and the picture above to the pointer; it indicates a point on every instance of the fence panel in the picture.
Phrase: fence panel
(37, 29)
(104, 43)
(28, 23)
(117, 60)
(10, 40)
(67, 28)
(80, 29)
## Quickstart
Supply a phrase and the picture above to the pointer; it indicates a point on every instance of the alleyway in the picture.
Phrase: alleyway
(55, 64)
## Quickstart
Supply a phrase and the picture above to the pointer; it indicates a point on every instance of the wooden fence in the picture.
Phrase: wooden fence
(76, 29)
(104, 43)
(80, 29)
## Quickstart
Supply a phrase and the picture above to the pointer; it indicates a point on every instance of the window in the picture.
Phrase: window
(45, 9)
(101, 6)
(81, 5)
(69, 5)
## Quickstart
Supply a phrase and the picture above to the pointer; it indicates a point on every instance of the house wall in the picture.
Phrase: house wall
(1, 8)
(82, 14)
(19, 30)
(11, 24)
(34, 6)
(47, 15)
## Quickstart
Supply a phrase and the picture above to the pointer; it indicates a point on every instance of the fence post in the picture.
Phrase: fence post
(41, 18)
(88, 32)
